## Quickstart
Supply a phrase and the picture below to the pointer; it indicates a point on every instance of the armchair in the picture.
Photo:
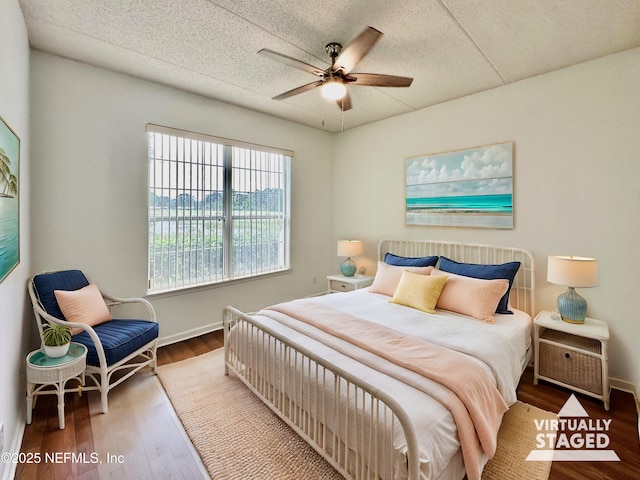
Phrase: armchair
(126, 345)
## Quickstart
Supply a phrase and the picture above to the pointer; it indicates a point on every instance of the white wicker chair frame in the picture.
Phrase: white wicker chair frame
(101, 376)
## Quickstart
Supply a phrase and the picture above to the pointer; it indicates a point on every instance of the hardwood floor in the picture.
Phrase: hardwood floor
(623, 433)
(140, 437)
(144, 438)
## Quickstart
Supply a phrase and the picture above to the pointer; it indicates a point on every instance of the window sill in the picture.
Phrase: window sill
(223, 283)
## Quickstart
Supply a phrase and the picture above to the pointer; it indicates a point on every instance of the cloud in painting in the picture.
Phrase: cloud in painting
(486, 170)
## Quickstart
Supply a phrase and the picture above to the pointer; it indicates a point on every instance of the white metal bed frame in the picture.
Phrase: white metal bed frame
(324, 424)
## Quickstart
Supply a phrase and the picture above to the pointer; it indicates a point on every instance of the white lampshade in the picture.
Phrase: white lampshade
(574, 272)
(333, 89)
(349, 248)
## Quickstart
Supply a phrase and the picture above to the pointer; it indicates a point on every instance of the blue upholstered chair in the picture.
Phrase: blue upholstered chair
(125, 345)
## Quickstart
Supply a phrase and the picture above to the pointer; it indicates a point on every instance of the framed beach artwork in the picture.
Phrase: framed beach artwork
(9, 204)
(462, 188)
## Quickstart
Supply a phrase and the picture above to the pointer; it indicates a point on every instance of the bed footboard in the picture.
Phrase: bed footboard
(347, 421)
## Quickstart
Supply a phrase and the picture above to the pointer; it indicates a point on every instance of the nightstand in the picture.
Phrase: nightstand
(340, 283)
(572, 355)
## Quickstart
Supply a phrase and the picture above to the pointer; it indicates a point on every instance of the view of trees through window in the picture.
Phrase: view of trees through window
(217, 211)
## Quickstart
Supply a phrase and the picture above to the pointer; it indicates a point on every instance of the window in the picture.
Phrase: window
(218, 209)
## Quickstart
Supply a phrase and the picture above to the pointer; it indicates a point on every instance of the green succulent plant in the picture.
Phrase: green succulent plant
(56, 335)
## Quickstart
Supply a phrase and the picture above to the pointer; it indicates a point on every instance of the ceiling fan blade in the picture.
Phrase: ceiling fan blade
(296, 91)
(356, 50)
(292, 62)
(344, 103)
(378, 80)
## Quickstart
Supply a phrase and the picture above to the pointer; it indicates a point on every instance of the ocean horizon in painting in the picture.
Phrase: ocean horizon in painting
(9, 241)
(463, 188)
(9, 203)
(500, 203)
(494, 211)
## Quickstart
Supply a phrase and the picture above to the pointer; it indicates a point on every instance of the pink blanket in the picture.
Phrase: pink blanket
(475, 403)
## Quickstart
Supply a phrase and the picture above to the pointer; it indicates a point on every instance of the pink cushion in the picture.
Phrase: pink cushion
(388, 277)
(474, 297)
(85, 305)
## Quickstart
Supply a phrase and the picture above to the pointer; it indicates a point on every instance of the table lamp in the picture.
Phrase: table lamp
(572, 272)
(349, 248)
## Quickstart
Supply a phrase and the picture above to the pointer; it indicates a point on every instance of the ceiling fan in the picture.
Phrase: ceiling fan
(334, 79)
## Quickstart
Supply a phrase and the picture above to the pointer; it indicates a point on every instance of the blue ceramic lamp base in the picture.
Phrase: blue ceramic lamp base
(348, 268)
(572, 307)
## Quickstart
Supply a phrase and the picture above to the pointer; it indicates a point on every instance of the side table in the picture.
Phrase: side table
(340, 283)
(572, 355)
(43, 372)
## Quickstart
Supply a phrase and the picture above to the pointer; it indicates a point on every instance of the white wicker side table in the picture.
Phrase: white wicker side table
(44, 372)
(572, 355)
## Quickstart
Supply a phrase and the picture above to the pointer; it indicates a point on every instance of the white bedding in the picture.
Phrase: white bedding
(458, 332)
(500, 348)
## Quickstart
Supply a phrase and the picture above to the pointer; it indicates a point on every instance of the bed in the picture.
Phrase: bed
(364, 400)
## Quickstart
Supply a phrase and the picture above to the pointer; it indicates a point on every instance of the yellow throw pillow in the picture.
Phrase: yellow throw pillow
(85, 305)
(419, 291)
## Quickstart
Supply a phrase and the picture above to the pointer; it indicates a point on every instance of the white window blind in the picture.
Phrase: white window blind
(218, 209)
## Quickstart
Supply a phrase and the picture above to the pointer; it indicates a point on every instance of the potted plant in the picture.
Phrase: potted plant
(57, 339)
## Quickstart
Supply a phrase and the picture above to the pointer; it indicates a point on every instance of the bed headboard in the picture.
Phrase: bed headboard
(522, 294)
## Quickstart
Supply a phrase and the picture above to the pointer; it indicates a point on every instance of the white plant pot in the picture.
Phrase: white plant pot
(56, 351)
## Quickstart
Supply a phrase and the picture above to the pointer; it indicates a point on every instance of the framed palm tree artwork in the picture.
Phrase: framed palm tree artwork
(9, 200)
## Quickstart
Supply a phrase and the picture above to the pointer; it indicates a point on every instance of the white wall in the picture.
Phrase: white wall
(14, 307)
(576, 175)
(90, 185)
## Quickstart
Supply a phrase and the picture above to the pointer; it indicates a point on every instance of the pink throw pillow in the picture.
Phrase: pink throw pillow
(85, 305)
(469, 296)
(388, 277)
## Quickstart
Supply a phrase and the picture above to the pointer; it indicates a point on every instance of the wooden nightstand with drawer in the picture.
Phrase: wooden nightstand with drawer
(340, 283)
(572, 355)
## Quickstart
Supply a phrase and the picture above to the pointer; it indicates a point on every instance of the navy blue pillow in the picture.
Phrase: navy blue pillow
(46, 283)
(486, 272)
(391, 259)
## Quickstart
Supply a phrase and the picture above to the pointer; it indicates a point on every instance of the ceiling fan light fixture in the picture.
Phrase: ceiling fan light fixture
(333, 89)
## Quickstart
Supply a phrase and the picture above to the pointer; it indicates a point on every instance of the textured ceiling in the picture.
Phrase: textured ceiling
(451, 48)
